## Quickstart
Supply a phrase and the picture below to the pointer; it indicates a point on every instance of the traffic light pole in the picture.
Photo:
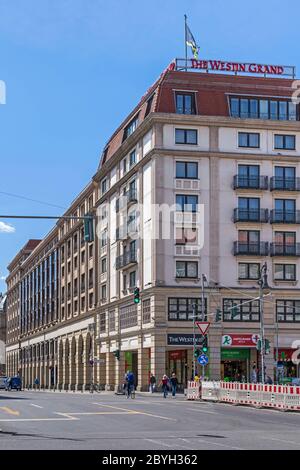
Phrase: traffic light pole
(194, 340)
(262, 284)
(202, 311)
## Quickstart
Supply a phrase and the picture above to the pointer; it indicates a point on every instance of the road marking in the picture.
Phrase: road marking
(104, 413)
(281, 440)
(137, 412)
(214, 443)
(10, 411)
(35, 419)
(167, 445)
(36, 406)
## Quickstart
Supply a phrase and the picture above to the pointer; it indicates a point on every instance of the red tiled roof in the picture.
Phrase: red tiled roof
(211, 97)
(31, 244)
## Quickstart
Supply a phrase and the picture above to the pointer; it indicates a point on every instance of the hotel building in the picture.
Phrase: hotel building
(227, 143)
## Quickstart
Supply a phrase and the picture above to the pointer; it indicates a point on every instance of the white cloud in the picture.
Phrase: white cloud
(2, 278)
(6, 228)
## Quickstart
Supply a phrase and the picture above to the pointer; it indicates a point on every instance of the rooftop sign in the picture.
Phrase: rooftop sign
(235, 67)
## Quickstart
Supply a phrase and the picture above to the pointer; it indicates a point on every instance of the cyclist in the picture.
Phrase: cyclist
(129, 382)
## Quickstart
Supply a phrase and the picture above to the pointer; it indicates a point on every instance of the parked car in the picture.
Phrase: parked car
(13, 383)
(3, 382)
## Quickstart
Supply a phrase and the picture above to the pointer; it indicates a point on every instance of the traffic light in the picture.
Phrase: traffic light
(196, 352)
(88, 228)
(205, 344)
(258, 345)
(234, 311)
(267, 346)
(218, 315)
(117, 354)
(136, 295)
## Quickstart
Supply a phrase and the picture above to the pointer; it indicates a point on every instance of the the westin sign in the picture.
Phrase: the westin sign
(235, 67)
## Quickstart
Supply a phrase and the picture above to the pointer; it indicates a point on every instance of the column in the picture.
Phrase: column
(143, 366)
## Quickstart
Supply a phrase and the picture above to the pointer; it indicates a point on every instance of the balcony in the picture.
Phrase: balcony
(125, 231)
(251, 249)
(250, 182)
(127, 259)
(250, 215)
(284, 217)
(284, 184)
(130, 197)
(285, 249)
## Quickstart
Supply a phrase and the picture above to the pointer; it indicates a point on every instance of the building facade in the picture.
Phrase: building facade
(224, 148)
(2, 333)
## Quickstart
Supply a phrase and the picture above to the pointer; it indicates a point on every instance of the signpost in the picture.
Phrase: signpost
(203, 360)
(203, 326)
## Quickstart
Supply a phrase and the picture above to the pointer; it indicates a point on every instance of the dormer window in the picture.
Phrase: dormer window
(263, 108)
(130, 128)
(185, 103)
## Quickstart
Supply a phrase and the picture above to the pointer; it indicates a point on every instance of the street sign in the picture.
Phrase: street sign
(203, 360)
(203, 326)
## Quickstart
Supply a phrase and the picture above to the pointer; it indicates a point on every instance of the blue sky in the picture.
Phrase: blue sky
(74, 69)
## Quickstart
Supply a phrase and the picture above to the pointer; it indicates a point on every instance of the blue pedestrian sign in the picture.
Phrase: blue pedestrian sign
(203, 360)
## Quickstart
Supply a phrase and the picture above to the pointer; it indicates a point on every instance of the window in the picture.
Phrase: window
(103, 265)
(248, 176)
(285, 243)
(285, 272)
(91, 300)
(91, 276)
(102, 322)
(249, 208)
(104, 238)
(285, 178)
(185, 235)
(285, 210)
(146, 311)
(284, 142)
(103, 186)
(128, 316)
(82, 303)
(181, 308)
(186, 136)
(186, 269)
(112, 320)
(246, 312)
(248, 241)
(187, 170)
(288, 310)
(247, 139)
(186, 203)
(103, 292)
(249, 270)
(255, 108)
(130, 128)
(132, 158)
(149, 105)
(132, 279)
(83, 256)
(185, 103)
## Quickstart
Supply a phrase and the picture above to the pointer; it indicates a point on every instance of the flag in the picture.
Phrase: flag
(190, 41)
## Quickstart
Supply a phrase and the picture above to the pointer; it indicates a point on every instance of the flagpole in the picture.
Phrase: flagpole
(185, 39)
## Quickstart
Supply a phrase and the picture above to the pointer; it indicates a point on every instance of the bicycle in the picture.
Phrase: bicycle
(94, 388)
(131, 392)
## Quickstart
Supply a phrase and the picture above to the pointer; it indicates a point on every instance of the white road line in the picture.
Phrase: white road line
(131, 411)
(214, 443)
(36, 406)
(167, 445)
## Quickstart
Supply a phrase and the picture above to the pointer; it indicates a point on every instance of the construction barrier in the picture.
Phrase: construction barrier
(281, 397)
(193, 390)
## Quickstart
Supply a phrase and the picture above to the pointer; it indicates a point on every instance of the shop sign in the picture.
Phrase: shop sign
(175, 355)
(183, 339)
(235, 354)
(238, 340)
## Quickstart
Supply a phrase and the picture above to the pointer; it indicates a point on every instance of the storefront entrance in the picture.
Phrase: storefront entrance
(177, 362)
(235, 365)
(131, 363)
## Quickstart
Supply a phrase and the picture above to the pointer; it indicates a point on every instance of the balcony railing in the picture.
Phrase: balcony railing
(284, 217)
(124, 231)
(250, 215)
(126, 199)
(284, 184)
(285, 249)
(127, 258)
(250, 182)
(256, 249)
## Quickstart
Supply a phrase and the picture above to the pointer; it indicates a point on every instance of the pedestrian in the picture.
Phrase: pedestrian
(174, 383)
(164, 383)
(254, 375)
(36, 383)
(152, 383)
(130, 380)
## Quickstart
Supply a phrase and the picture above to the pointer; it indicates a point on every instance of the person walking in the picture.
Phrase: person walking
(165, 388)
(174, 384)
(254, 375)
(36, 383)
(152, 383)
(130, 382)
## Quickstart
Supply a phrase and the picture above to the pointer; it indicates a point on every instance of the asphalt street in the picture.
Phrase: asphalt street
(47, 420)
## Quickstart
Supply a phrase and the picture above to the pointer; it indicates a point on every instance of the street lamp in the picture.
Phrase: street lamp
(263, 284)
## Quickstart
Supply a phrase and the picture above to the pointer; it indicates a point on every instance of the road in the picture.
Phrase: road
(47, 420)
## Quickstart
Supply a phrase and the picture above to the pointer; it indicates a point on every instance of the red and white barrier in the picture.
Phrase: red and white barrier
(280, 397)
(193, 390)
